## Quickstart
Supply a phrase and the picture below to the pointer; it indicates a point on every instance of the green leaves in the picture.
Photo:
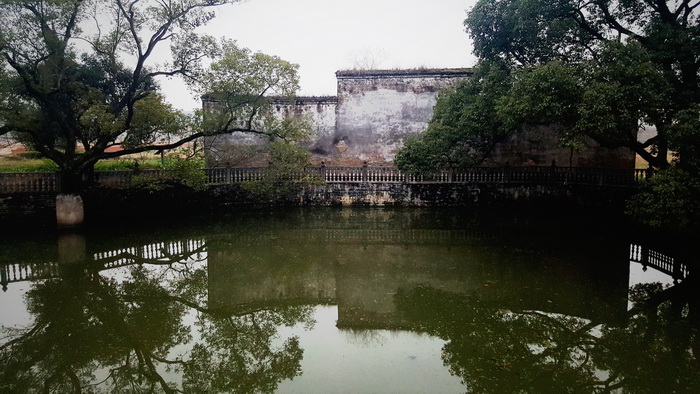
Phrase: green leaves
(522, 32)
(543, 95)
(466, 125)
(600, 69)
(669, 201)
(153, 120)
(240, 77)
(684, 139)
(79, 76)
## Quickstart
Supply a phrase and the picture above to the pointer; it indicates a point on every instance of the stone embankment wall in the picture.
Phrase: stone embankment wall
(435, 195)
(135, 203)
(17, 208)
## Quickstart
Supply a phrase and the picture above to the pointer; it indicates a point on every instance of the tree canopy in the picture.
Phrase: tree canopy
(80, 77)
(600, 69)
(463, 129)
(133, 329)
(495, 349)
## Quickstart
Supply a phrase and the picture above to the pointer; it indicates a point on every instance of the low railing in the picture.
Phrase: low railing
(659, 261)
(161, 252)
(183, 249)
(124, 179)
(30, 182)
(525, 175)
(10, 273)
(49, 182)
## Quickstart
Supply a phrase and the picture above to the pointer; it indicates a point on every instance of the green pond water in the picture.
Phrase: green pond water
(346, 301)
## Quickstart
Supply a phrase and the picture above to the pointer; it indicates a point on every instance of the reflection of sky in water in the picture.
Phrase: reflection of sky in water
(14, 312)
(651, 275)
(334, 360)
(640, 276)
(367, 361)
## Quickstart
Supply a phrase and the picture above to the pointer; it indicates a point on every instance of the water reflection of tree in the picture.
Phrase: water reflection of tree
(495, 350)
(126, 333)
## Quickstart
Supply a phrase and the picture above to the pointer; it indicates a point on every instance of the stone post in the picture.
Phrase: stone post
(650, 172)
(71, 248)
(553, 175)
(69, 210)
(4, 280)
(322, 171)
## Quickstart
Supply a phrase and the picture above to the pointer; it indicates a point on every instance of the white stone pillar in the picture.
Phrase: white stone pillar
(71, 248)
(69, 210)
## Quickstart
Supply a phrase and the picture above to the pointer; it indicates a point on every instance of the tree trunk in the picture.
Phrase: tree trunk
(70, 182)
(70, 211)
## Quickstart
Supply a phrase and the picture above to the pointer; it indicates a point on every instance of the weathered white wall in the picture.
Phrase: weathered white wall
(244, 149)
(368, 121)
(377, 110)
(321, 111)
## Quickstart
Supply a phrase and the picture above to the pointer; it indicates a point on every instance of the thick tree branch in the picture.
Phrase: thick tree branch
(190, 138)
(68, 31)
(615, 24)
(37, 327)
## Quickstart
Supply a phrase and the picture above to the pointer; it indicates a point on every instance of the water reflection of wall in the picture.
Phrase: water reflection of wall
(360, 259)
(246, 273)
(362, 270)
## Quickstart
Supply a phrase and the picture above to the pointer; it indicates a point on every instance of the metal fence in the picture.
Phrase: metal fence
(49, 182)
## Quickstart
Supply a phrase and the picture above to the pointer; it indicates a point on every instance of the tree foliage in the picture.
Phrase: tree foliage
(495, 349)
(95, 333)
(285, 176)
(465, 125)
(80, 77)
(600, 69)
(636, 64)
(670, 200)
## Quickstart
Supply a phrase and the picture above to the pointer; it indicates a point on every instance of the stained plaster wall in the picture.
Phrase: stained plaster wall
(242, 149)
(321, 111)
(369, 119)
(377, 110)
(374, 112)
(540, 146)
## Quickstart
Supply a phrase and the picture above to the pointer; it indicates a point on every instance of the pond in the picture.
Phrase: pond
(346, 301)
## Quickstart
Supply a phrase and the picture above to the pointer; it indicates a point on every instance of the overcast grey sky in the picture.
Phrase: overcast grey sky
(324, 36)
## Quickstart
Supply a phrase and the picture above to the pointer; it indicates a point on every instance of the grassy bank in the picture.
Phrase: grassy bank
(27, 163)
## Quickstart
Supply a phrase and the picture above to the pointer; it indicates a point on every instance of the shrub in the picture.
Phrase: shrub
(30, 154)
(670, 201)
(177, 172)
(281, 181)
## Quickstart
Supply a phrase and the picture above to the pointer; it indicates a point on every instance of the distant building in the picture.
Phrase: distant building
(375, 110)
